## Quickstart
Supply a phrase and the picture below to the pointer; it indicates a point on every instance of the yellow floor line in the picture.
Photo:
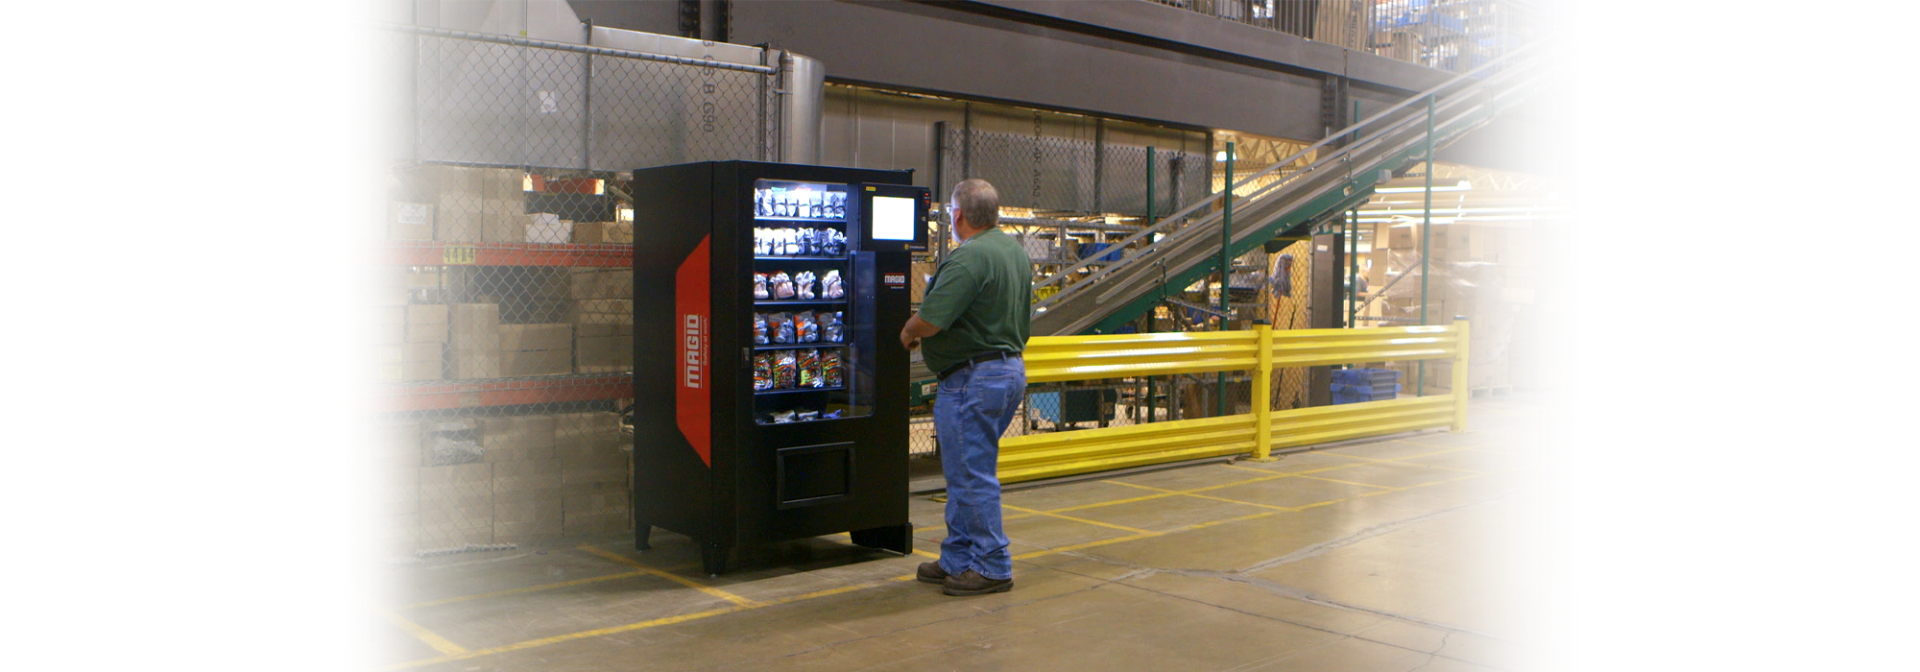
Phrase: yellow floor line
(437, 642)
(742, 604)
(670, 620)
(676, 578)
(1504, 454)
(1190, 493)
(1049, 514)
(1095, 505)
(1436, 445)
(926, 554)
(1402, 461)
(1387, 488)
(525, 589)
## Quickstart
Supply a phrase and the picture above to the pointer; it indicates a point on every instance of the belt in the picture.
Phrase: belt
(994, 356)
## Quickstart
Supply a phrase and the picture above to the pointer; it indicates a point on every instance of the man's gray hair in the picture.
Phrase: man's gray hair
(978, 202)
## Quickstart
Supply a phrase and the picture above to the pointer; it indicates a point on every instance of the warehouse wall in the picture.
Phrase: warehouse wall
(1156, 63)
(869, 128)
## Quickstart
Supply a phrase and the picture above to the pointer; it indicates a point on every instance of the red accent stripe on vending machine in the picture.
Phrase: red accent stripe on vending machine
(692, 289)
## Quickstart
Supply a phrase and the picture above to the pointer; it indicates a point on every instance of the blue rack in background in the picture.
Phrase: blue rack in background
(1352, 386)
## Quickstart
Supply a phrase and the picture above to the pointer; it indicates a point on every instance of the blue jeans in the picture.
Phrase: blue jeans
(970, 412)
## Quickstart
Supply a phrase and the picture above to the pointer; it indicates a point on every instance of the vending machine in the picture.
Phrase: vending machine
(770, 387)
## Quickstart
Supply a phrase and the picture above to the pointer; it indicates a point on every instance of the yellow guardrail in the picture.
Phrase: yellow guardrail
(1052, 359)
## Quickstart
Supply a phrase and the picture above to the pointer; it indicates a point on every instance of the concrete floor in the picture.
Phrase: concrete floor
(1397, 554)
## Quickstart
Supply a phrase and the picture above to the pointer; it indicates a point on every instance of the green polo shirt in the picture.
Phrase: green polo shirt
(981, 299)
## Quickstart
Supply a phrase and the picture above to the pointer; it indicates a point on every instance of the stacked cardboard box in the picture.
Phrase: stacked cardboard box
(526, 477)
(457, 202)
(917, 280)
(475, 340)
(427, 335)
(503, 200)
(593, 473)
(1475, 268)
(397, 488)
(409, 221)
(367, 198)
(536, 349)
(602, 317)
(603, 232)
(456, 505)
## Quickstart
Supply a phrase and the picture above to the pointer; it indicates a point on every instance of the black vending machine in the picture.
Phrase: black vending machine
(770, 388)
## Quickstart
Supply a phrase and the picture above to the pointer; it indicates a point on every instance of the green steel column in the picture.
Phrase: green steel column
(1353, 240)
(1226, 268)
(1163, 290)
(1426, 244)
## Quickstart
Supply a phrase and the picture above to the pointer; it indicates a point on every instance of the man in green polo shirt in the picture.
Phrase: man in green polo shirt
(971, 329)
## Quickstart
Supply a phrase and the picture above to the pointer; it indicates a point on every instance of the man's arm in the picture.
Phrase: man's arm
(915, 330)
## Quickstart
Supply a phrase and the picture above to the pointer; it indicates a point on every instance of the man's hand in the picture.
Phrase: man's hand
(915, 330)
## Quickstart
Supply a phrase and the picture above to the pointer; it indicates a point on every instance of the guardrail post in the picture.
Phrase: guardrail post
(1262, 391)
(1460, 391)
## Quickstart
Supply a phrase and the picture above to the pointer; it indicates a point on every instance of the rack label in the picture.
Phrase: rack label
(459, 255)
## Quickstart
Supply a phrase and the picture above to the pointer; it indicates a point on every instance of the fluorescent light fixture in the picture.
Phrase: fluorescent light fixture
(1404, 219)
(1463, 185)
(1481, 210)
(1220, 156)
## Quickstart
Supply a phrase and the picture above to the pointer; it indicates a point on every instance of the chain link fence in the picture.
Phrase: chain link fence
(504, 290)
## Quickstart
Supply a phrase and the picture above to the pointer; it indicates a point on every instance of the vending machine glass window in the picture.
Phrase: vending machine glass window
(813, 344)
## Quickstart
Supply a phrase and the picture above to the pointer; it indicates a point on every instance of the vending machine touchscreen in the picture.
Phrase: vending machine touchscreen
(767, 294)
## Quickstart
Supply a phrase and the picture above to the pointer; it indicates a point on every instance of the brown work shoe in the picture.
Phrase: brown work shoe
(930, 572)
(972, 583)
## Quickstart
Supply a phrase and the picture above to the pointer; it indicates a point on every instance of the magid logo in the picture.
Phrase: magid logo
(693, 360)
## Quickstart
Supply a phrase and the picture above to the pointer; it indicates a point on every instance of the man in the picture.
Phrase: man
(971, 329)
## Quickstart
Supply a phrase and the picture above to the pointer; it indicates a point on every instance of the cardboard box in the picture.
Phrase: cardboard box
(593, 233)
(593, 474)
(503, 205)
(551, 336)
(503, 221)
(917, 280)
(527, 520)
(454, 486)
(526, 479)
(536, 362)
(389, 325)
(517, 438)
(595, 513)
(475, 340)
(409, 221)
(421, 361)
(601, 283)
(587, 434)
(458, 205)
(384, 492)
(425, 334)
(545, 227)
(377, 446)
